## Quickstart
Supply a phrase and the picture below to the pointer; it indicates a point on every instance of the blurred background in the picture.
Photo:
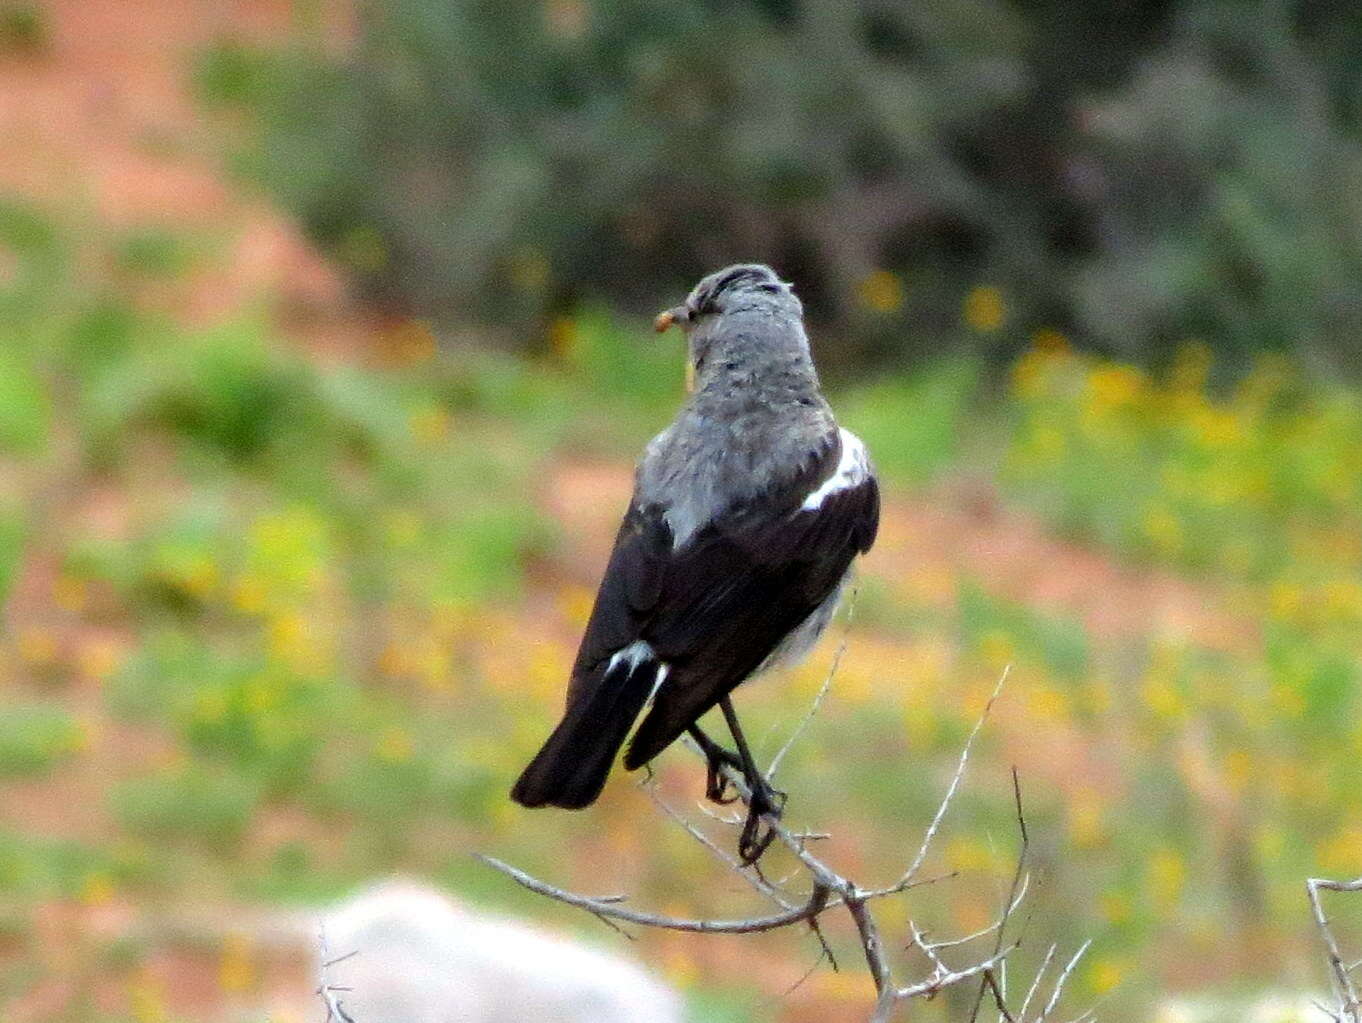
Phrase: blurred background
(324, 359)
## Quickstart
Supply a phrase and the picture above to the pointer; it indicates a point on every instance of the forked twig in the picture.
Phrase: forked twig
(335, 1010)
(827, 889)
(1349, 1009)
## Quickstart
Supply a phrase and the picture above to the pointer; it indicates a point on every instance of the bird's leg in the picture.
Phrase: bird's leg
(765, 800)
(716, 759)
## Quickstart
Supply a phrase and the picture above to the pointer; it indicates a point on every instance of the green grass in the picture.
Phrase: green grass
(203, 804)
(35, 737)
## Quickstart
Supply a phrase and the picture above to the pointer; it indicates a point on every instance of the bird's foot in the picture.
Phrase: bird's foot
(766, 802)
(718, 788)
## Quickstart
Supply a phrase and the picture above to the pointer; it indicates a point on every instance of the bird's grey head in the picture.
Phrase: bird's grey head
(744, 285)
(747, 310)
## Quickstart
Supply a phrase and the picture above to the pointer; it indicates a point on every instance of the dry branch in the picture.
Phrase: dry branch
(1347, 1008)
(329, 993)
(826, 890)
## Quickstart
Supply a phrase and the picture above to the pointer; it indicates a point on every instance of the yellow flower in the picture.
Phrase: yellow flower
(1049, 704)
(1343, 599)
(393, 746)
(248, 594)
(968, 854)
(996, 648)
(429, 425)
(1115, 906)
(574, 602)
(1162, 529)
(411, 341)
(1162, 697)
(146, 999)
(984, 309)
(197, 577)
(69, 593)
(1216, 428)
(1105, 975)
(99, 658)
(1286, 599)
(1238, 770)
(1288, 699)
(880, 291)
(96, 889)
(1086, 827)
(1049, 340)
(236, 968)
(1341, 853)
(1112, 387)
(1167, 874)
(38, 647)
(563, 336)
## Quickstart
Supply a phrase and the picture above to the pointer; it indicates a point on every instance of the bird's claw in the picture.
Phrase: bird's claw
(717, 784)
(765, 802)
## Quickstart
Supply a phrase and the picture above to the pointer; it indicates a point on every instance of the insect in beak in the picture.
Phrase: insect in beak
(667, 317)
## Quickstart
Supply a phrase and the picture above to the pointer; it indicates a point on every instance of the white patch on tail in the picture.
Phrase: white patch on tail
(637, 653)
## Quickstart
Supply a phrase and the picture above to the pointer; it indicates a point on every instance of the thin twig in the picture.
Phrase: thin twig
(757, 881)
(823, 690)
(935, 983)
(829, 890)
(329, 992)
(1340, 975)
(1013, 896)
(1063, 979)
(916, 865)
(1035, 983)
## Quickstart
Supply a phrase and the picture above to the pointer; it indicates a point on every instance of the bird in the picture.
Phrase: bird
(747, 514)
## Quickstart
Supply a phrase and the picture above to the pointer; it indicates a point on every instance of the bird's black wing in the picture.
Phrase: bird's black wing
(709, 613)
(737, 590)
(607, 689)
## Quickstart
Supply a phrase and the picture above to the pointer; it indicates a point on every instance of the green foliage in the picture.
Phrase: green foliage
(24, 28)
(47, 868)
(192, 802)
(1062, 646)
(225, 388)
(230, 73)
(1183, 174)
(32, 262)
(13, 532)
(153, 252)
(913, 423)
(34, 737)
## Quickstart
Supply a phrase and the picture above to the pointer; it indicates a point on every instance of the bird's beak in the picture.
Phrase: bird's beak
(668, 317)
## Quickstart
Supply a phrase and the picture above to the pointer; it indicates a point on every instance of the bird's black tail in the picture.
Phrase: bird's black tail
(571, 769)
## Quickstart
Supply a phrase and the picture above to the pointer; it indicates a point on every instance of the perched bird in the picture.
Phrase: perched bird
(747, 513)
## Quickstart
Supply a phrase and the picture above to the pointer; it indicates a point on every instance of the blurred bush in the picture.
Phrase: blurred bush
(1125, 172)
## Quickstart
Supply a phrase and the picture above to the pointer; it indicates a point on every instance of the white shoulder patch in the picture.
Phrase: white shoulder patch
(852, 470)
